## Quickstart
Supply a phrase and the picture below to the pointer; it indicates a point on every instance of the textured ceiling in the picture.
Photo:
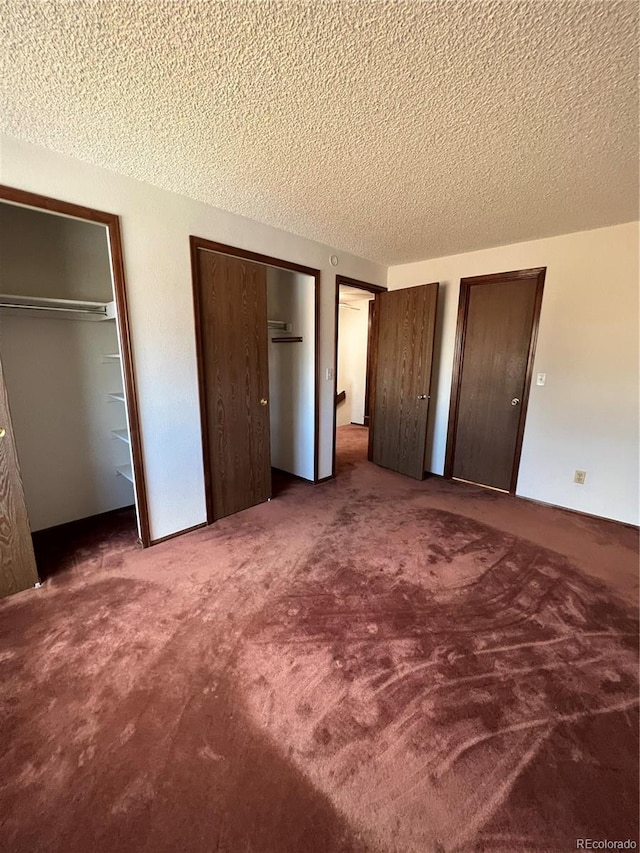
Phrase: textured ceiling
(395, 130)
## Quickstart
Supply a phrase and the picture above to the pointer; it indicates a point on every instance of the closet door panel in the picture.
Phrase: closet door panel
(17, 561)
(234, 382)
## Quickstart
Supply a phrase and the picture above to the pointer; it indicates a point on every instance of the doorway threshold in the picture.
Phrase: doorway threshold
(482, 485)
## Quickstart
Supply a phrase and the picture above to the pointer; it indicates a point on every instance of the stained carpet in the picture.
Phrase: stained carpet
(370, 665)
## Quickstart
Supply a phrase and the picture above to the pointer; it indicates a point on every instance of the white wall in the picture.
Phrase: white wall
(155, 228)
(586, 416)
(56, 378)
(53, 256)
(291, 298)
(57, 386)
(353, 331)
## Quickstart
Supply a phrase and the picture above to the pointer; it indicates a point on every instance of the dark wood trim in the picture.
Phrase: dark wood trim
(197, 319)
(290, 340)
(316, 401)
(375, 316)
(360, 285)
(236, 252)
(112, 221)
(178, 533)
(340, 397)
(197, 243)
(537, 273)
(367, 375)
(325, 479)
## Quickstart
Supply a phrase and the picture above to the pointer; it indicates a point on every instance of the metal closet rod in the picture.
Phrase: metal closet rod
(100, 311)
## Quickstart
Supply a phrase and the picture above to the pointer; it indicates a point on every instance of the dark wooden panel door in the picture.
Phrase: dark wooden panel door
(17, 561)
(403, 336)
(497, 322)
(231, 304)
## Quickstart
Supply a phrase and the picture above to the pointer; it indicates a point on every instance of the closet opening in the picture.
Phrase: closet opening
(257, 347)
(354, 318)
(70, 416)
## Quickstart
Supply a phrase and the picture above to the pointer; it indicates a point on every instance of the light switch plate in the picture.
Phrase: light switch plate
(329, 373)
(541, 379)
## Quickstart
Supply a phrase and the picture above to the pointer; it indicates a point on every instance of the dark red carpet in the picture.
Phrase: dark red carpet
(371, 664)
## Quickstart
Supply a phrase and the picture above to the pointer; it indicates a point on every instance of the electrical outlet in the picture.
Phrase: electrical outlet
(579, 477)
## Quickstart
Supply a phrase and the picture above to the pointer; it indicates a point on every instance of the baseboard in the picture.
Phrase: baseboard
(542, 503)
(579, 512)
(178, 533)
(325, 479)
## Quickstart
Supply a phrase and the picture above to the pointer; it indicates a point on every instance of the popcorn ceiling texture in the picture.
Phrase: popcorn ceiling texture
(394, 130)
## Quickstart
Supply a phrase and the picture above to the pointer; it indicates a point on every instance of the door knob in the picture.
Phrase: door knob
(263, 401)
(515, 401)
(423, 397)
(3, 432)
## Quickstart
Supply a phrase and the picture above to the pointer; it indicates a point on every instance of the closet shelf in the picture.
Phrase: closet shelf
(288, 340)
(122, 434)
(111, 357)
(117, 395)
(125, 471)
(74, 309)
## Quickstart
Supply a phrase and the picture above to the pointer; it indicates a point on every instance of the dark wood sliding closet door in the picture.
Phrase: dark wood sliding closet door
(17, 561)
(231, 328)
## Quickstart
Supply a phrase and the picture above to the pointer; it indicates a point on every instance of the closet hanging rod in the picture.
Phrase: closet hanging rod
(101, 311)
(89, 310)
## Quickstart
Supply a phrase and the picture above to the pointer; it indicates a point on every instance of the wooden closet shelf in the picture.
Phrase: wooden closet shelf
(290, 339)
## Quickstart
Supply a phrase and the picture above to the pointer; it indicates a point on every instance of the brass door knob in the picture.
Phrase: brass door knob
(3, 432)
(263, 401)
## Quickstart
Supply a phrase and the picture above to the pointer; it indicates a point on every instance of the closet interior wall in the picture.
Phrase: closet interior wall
(63, 375)
(291, 303)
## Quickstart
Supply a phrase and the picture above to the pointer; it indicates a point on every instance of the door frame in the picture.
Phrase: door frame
(22, 198)
(197, 243)
(359, 285)
(536, 274)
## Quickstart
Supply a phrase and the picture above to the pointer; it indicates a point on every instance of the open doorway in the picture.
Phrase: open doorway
(71, 419)
(257, 350)
(354, 315)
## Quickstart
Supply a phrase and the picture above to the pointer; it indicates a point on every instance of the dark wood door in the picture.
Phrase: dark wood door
(403, 336)
(231, 310)
(17, 561)
(497, 325)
